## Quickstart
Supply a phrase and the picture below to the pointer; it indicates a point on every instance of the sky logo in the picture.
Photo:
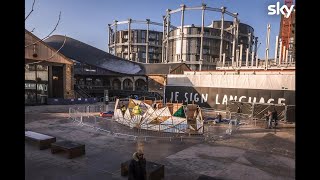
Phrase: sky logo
(276, 9)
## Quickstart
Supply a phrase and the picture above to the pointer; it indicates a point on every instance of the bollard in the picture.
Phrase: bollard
(69, 113)
(80, 120)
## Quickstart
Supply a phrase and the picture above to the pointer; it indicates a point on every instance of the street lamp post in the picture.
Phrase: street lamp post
(36, 82)
(256, 54)
(164, 89)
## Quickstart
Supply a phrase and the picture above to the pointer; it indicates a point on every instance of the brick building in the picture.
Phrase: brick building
(48, 73)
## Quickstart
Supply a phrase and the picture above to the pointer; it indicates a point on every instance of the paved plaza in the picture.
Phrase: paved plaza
(250, 153)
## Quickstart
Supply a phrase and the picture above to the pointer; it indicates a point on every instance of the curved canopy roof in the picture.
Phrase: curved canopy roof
(90, 55)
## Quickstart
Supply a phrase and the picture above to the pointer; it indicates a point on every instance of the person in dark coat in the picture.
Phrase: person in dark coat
(275, 117)
(218, 118)
(137, 167)
(239, 110)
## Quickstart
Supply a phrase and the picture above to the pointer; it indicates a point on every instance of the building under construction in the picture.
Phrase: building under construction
(140, 45)
(205, 51)
(286, 50)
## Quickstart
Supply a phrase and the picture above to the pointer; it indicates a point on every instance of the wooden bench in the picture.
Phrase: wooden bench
(73, 149)
(154, 171)
(41, 140)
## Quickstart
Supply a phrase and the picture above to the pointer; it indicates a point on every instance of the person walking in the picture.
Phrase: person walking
(275, 117)
(270, 119)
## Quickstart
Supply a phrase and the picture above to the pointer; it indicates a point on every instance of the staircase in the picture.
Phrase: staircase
(80, 92)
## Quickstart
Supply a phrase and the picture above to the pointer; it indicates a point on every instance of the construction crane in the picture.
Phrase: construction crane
(286, 24)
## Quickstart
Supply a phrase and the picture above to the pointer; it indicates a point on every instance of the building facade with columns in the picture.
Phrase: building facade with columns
(96, 71)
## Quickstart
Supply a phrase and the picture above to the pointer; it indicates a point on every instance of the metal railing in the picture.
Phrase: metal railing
(81, 92)
(89, 116)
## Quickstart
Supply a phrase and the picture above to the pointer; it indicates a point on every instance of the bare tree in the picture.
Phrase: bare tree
(55, 28)
(30, 11)
(64, 41)
(42, 39)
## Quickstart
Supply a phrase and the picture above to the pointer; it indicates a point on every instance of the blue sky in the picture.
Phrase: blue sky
(87, 20)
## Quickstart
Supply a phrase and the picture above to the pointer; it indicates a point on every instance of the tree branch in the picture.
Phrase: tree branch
(55, 53)
(31, 10)
(48, 34)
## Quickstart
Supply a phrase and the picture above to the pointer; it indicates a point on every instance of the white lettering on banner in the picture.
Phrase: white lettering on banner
(242, 98)
(186, 98)
(176, 96)
(196, 99)
(270, 100)
(254, 100)
(261, 100)
(29, 86)
(203, 98)
(235, 98)
(280, 101)
(225, 99)
(41, 87)
(217, 96)
(190, 97)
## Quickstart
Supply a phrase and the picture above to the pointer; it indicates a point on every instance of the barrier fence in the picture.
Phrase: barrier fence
(257, 111)
(89, 116)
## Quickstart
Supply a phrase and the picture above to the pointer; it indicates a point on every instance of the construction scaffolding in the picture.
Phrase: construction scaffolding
(257, 111)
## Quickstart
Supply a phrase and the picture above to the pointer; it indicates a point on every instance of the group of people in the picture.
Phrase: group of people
(271, 116)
